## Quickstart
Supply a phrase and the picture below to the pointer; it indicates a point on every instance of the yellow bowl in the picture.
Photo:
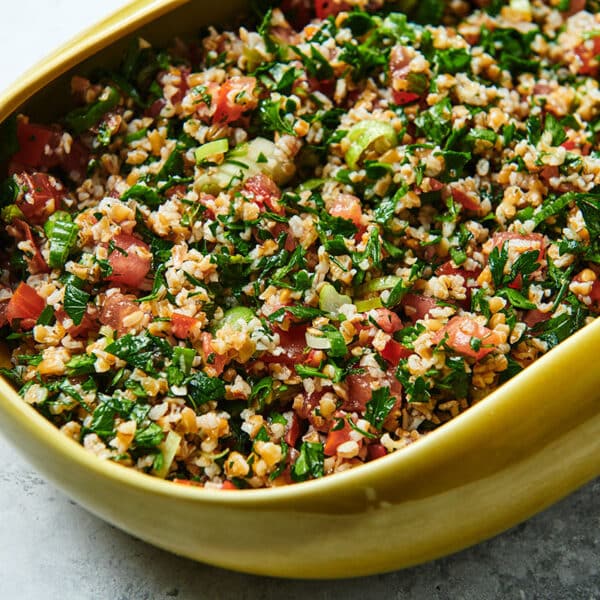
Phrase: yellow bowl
(525, 446)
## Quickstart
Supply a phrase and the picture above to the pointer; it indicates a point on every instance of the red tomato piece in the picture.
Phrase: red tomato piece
(347, 207)
(587, 52)
(265, 192)
(326, 8)
(460, 334)
(25, 306)
(37, 145)
(181, 325)
(394, 352)
(114, 310)
(235, 97)
(36, 263)
(387, 320)
(293, 430)
(466, 200)
(130, 261)
(40, 195)
(360, 390)
(217, 361)
(417, 306)
(228, 485)
(376, 451)
(75, 162)
(402, 97)
(337, 436)
(534, 316)
(548, 173)
(88, 324)
(293, 343)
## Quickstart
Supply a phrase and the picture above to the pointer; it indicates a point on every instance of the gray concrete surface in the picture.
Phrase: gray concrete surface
(51, 549)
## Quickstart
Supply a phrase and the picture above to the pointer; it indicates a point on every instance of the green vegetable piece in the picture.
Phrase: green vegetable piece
(377, 136)
(168, 450)
(82, 119)
(62, 233)
(75, 302)
(210, 149)
(330, 300)
(310, 462)
(233, 315)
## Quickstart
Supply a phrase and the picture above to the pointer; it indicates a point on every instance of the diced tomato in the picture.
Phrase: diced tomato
(360, 390)
(376, 451)
(313, 358)
(36, 263)
(325, 86)
(575, 6)
(235, 97)
(37, 144)
(88, 324)
(402, 97)
(293, 431)
(467, 337)
(417, 306)
(216, 361)
(115, 309)
(347, 207)
(394, 352)
(25, 306)
(466, 200)
(228, 485)
(387, 320)
(176, 191)
(297, 12)
(587, 52)
(534, 316)
(181, 325)
(130, 261)
(293, 343)
(549, 172)
(265, 192)
(448, 268)
(154, 109)
(337, 436)
(40, 195)
(569, 145)
(290, 241)
(325, 8)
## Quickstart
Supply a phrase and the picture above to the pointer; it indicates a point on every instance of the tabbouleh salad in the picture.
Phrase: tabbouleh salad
(277, 253)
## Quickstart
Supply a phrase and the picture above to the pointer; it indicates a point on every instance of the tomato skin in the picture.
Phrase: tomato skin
(587, 56)
(336, 437)
(534, 316)
(218, 360)
(359, 392)
(26, 306)
(130, 261)
(33, 140)
(459, 332)
(293, 342)
(114, 310)
(417, 306)
(88, 324)
(465, 200)
(326, 8)
(235, 97)
(376, 451)
(293, 431)
(394, 352)
(37, 263)
(265, 192)
(401, 98)
(181, 325)
(39, 197)
(387, 320)
(347, 207)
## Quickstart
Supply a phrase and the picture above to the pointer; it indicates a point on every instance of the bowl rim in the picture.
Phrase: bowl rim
(119, 24)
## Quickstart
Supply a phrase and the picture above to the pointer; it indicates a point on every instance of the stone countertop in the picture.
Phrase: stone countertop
(52, 549)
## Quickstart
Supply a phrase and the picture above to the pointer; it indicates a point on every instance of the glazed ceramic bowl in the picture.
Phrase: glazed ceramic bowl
(522, 448)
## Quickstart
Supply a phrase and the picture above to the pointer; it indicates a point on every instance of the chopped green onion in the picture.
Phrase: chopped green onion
(211, 148)
(233, 316)
(368, 304)
(168, 449)
(62, 233)
(330, 300)
(379, 283)
(369, 135)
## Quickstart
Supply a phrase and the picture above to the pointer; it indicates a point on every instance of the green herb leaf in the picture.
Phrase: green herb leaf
(379, 407)
(310, 462)
(75, 302)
